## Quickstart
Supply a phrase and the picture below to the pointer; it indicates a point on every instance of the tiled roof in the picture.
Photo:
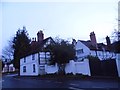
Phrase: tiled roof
(36, 47)
(91, 47)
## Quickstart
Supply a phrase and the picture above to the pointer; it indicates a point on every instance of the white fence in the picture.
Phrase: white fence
(72, 67)
(50, 69)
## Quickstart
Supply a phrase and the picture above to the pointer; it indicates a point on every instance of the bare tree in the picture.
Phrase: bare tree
(7, 52)
(115, 35)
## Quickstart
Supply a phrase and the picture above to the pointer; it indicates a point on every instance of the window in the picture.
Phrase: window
(33, 56)
(48, 42)
(24, 59)
(24, 68)
(33, 67)
(47, 57)
(39, 58)
(80, 51)
(42, 57)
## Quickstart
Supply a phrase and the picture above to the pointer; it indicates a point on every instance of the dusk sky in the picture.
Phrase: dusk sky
(73, 19)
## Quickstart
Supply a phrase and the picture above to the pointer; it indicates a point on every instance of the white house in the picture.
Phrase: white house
(91, 47)
(8, 68)
(33, 63)
(102, 51)
(36, 62)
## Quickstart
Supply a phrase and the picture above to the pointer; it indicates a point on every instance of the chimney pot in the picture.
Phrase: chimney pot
(40, 36)
(93, 39)
(108, 42)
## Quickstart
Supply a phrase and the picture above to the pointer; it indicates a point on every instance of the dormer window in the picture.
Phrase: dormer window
(33, 56)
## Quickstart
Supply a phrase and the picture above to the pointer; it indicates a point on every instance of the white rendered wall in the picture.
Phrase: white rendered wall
(118, 64)
(29, 65)
(86, 50)
(29, 70)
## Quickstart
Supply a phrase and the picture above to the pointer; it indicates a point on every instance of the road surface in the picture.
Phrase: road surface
(8, 81)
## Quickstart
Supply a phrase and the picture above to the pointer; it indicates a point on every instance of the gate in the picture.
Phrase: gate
(103, 68)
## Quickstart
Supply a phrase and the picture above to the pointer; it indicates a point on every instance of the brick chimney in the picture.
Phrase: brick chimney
(108, 42)
(40, 36)
(93, 39)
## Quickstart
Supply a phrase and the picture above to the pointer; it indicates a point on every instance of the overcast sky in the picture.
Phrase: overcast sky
(66, 19)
